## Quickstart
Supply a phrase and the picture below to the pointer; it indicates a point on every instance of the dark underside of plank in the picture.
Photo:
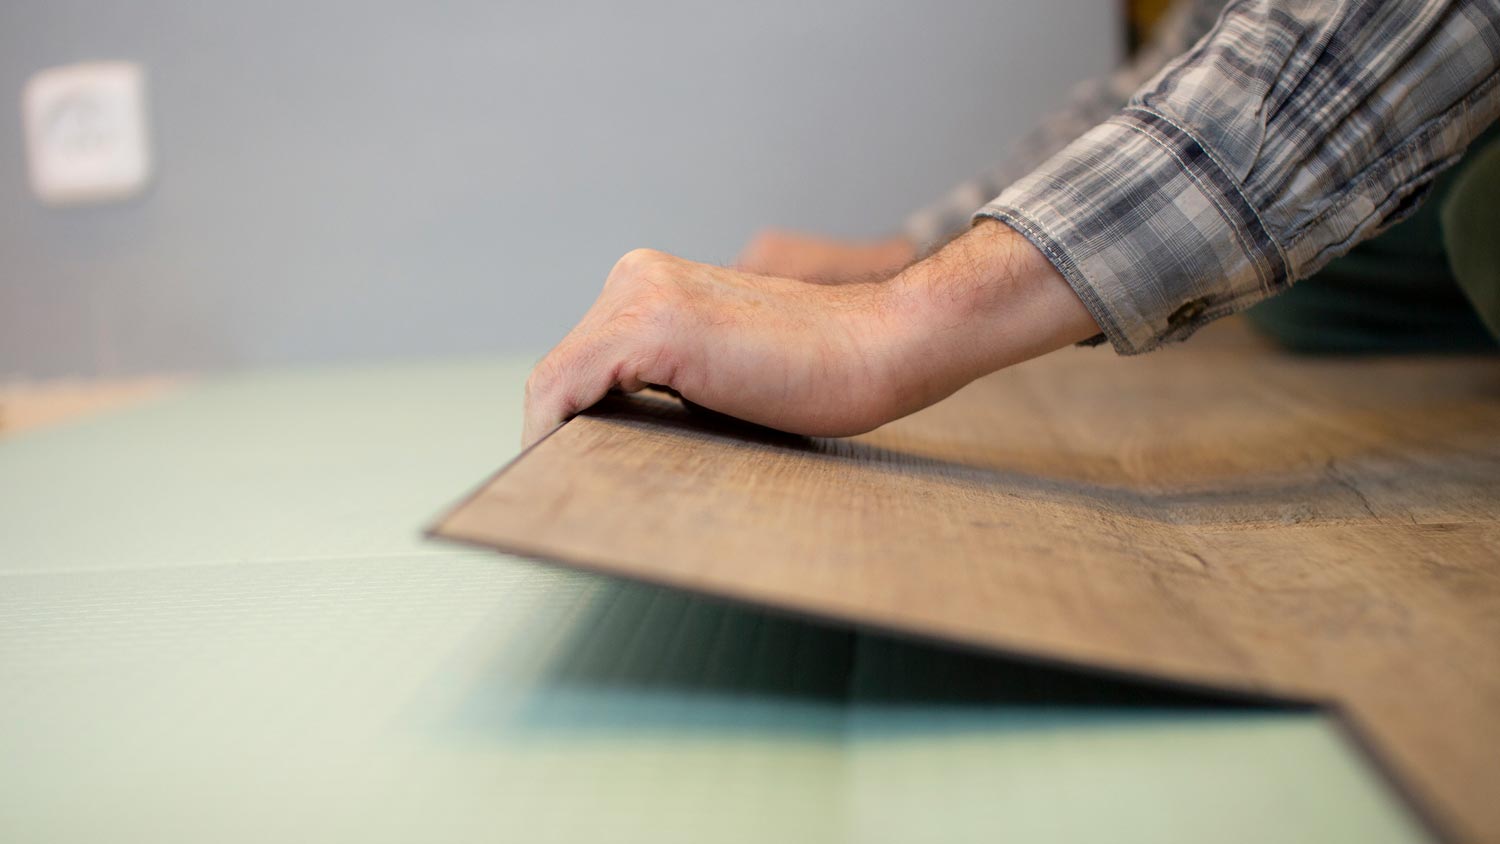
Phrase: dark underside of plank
(1316, 529)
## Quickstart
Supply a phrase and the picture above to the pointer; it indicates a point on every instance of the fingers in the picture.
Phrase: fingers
(821, 260)
(557, 390)
(765, 253)
(804, 358)
(624, 343)
(569, 381)
(572, 378)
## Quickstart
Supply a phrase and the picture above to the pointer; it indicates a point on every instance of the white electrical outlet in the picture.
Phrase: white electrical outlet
(86, 137)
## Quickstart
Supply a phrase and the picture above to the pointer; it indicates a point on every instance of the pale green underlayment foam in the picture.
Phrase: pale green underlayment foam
(218, 622)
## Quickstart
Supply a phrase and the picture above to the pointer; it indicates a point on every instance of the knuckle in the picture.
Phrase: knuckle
(649, 300)
(635, 264)
(541, 379)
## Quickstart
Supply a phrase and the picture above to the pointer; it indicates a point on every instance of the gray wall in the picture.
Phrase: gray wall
(366, 180)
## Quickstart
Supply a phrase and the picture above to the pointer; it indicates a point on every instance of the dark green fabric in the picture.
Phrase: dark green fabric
(1397, 292)
(1471, 233)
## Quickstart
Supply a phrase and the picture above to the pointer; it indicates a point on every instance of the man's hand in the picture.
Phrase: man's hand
(824, 260)
(806, 358)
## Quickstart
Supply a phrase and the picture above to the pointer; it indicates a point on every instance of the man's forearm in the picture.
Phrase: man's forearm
(987, 300)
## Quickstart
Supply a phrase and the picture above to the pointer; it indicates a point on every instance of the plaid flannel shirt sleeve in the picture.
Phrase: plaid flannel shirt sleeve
(1291, 131)
(1089, 104)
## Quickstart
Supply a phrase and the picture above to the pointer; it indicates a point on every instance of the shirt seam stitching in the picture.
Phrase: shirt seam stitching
(1212, 192)
(1052, 249)
(1405, 151)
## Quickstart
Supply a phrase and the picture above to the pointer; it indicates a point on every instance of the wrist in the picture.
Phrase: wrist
(987, 300)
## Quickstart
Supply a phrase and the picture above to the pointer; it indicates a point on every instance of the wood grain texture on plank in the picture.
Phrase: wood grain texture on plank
(1323, 530)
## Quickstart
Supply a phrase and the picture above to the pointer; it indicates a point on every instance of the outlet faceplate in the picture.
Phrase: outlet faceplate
(86, 135)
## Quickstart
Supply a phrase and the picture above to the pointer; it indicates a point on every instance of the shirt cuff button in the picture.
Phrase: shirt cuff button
(1188, 312)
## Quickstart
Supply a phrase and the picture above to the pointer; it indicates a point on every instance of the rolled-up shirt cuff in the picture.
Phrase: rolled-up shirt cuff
(1150, 231)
